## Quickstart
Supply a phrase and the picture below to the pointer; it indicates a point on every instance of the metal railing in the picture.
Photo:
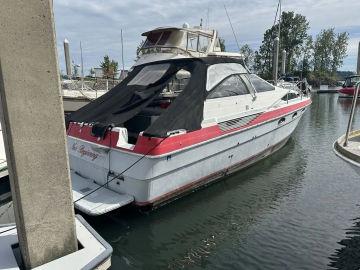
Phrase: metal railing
(355, 97)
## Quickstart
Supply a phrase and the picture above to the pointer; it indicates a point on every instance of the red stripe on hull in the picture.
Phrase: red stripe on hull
(171, 144)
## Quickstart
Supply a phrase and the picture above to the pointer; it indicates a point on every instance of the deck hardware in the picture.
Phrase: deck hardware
(168, 157)
(294, 115)
(281, 121)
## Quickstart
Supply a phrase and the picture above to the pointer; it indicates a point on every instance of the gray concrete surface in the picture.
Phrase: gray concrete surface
(33, 121)
(352, 149)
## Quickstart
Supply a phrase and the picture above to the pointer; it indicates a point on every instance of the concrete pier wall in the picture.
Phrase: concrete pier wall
(33, 121)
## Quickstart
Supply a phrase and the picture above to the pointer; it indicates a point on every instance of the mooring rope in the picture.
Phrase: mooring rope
(3, 213)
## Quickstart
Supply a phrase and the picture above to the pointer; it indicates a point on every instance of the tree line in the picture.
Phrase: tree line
(317, 59)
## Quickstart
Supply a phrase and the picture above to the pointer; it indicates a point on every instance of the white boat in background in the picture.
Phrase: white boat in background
(73, 100)
(77, 93)
(186, 115)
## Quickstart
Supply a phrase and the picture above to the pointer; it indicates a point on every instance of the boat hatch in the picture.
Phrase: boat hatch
(99, 202)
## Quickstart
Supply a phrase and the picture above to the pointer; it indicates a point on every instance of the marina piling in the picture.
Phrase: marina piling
(283, 62)
(67, 58)
(33, 121)
(276, 59)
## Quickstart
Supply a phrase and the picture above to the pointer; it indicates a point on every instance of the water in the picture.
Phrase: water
(289, 211)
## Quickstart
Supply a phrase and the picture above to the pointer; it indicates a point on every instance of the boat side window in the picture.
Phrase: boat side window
(192, 42)
(347, 82)
(149, 74)
(231, 86)
(259, 84)
(353, 81)
(203, 43)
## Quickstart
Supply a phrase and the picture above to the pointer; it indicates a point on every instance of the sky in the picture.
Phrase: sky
(97, 23)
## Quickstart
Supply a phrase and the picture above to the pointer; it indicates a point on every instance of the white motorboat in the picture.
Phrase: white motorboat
(186, 115)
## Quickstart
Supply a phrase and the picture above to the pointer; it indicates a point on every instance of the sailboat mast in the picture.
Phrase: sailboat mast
(122, 55)
(82, 67)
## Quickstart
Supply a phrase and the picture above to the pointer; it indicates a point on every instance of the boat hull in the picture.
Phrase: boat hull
(154, 180)
(211, 179)
(347, 91)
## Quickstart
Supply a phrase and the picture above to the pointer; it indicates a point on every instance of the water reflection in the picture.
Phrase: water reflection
(348, 256)
(345, 105)
(186, 232)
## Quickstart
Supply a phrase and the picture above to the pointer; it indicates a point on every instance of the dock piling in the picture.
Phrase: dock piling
(67, 58)
(283, 62)
(276, 59)
(34, 132)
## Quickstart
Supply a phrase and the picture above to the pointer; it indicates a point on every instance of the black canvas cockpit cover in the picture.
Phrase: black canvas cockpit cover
(125, 101)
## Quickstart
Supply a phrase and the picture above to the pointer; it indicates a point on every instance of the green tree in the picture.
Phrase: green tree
(248, 55)
(339, 50)
(322, 51)
(263, 57)
(329, 52)
(109, 67)
(138, 49)
(293, 34)
(222, 44)
(305, 65)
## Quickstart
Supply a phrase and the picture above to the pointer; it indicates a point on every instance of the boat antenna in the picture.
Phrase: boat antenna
(275, 18)
(232, 28)
(122, 55)
(279, 5)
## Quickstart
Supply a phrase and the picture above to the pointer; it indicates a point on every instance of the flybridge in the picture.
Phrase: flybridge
(175, 42)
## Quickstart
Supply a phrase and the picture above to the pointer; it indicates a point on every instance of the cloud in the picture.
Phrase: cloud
(97, 23)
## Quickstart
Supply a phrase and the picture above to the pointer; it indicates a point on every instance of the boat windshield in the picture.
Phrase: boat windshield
(216, 73)
(150, 74)
(157, 38)
(350, 82)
